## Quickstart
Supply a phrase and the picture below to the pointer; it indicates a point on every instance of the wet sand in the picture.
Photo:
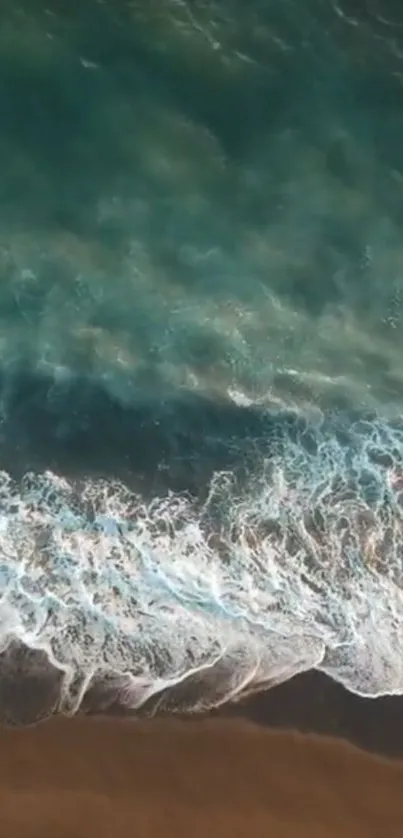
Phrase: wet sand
(126, 779)
(314, 703)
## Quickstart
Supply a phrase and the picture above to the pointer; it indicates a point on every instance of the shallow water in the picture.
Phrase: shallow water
(200, 344)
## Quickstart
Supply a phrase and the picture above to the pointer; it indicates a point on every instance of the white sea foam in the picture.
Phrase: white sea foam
(298, 566)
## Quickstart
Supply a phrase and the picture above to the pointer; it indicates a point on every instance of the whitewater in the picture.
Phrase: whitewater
(290, 559)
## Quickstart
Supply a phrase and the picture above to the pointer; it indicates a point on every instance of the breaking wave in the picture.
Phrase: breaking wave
(288, 558)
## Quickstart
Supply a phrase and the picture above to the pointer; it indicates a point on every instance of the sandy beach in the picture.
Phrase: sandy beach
(102, 777)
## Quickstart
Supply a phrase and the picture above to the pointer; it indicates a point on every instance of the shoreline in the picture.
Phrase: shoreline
(310, 703)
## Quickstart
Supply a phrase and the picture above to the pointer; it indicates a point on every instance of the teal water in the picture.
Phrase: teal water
(201, 280)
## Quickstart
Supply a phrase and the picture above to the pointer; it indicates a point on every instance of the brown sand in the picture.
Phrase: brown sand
(124, 779)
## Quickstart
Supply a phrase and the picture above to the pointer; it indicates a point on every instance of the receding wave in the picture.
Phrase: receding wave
(262, 543)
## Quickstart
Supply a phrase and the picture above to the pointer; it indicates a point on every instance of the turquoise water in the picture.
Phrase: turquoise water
(200, 343)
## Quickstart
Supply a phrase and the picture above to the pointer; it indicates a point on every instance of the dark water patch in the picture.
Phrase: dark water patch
(313, 702)
(174, 442)
(29, 685)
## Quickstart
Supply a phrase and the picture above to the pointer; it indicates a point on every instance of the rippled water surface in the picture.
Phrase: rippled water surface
(201, 297)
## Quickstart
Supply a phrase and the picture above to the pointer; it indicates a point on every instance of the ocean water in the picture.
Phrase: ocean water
(201, 343)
